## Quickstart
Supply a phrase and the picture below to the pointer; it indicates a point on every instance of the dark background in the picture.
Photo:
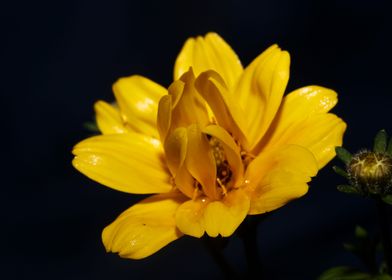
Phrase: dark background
(58, 58)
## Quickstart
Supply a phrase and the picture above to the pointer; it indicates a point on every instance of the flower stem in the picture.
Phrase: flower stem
(215, 247)
(383, 218)
(248, 234)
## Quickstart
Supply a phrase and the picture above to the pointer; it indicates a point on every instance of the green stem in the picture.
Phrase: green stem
(248, 235)
(215, 247)
(383, 218)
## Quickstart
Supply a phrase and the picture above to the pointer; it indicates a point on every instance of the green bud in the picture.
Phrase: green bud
(371, 172)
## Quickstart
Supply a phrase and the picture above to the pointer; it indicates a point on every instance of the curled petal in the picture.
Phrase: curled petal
(278, 176)
(200, 161)
(260, 90)
(127, 162)
(144, 228)
(187, 105)
(224, 106)
(108, 118)
(209, 53)
(138, 99)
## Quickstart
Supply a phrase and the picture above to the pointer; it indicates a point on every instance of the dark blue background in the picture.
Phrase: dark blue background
(58, 58)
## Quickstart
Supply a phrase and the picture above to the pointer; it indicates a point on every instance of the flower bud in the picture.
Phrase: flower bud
(371, 172)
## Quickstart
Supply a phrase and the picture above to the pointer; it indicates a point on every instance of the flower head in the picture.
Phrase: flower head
(220, 143)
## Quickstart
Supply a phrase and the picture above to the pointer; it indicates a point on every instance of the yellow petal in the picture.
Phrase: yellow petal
(128, 162)
(209, 53)
(108, 118)
(144, 228)
(228, 115)
(138, 99)
(223, 217)
(175, 149)
(231, 150)
(164, 116)
(200, 161)
(188, 107)
(277, 176)
(260, 90)
(189, 217)
(302, 120)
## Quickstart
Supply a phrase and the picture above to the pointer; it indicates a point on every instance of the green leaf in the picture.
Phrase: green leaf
(340, 171)
(343, 154)
(389, 148)
(344, 273)
(347, 189)
(91, 126)
(380, 142)
(360, 232)
(387, 199)
(382, 277)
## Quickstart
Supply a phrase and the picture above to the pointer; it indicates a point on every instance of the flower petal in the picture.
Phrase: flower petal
(144, 228)
(277, 176)
(260, 90)
(189, 217)
(128, 162)
(302, 120)
(108, 118)
(164, 116)
(138, 99)
(228, 115)
(188, 107)
(200, 161)
(223, 217)
(209, 53)
(176, 146)
(231, 150)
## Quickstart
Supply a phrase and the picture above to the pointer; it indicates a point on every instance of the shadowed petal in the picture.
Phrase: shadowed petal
(209, 53)
(138, 99)
(200, 161)
(144, 228)
(108, 118)
(127, 162)
(277, 176)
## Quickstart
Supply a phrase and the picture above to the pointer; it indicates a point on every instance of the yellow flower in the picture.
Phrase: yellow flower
(221, 143)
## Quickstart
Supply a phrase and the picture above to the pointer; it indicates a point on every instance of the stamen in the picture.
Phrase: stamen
(224, 190)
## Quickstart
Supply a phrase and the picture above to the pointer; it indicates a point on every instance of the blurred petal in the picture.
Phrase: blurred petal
(144, 228)
(128, 162)
(231, 150)
(277, 176)
(108, 118)
(228, 115)
(223, 217)
(188, 107)
(189, 217)
(200, 161)
(260, 90)
(138, 99)
(209, 53)
(302, 120)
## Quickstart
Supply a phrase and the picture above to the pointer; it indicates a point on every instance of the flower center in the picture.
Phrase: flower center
(223, 171)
